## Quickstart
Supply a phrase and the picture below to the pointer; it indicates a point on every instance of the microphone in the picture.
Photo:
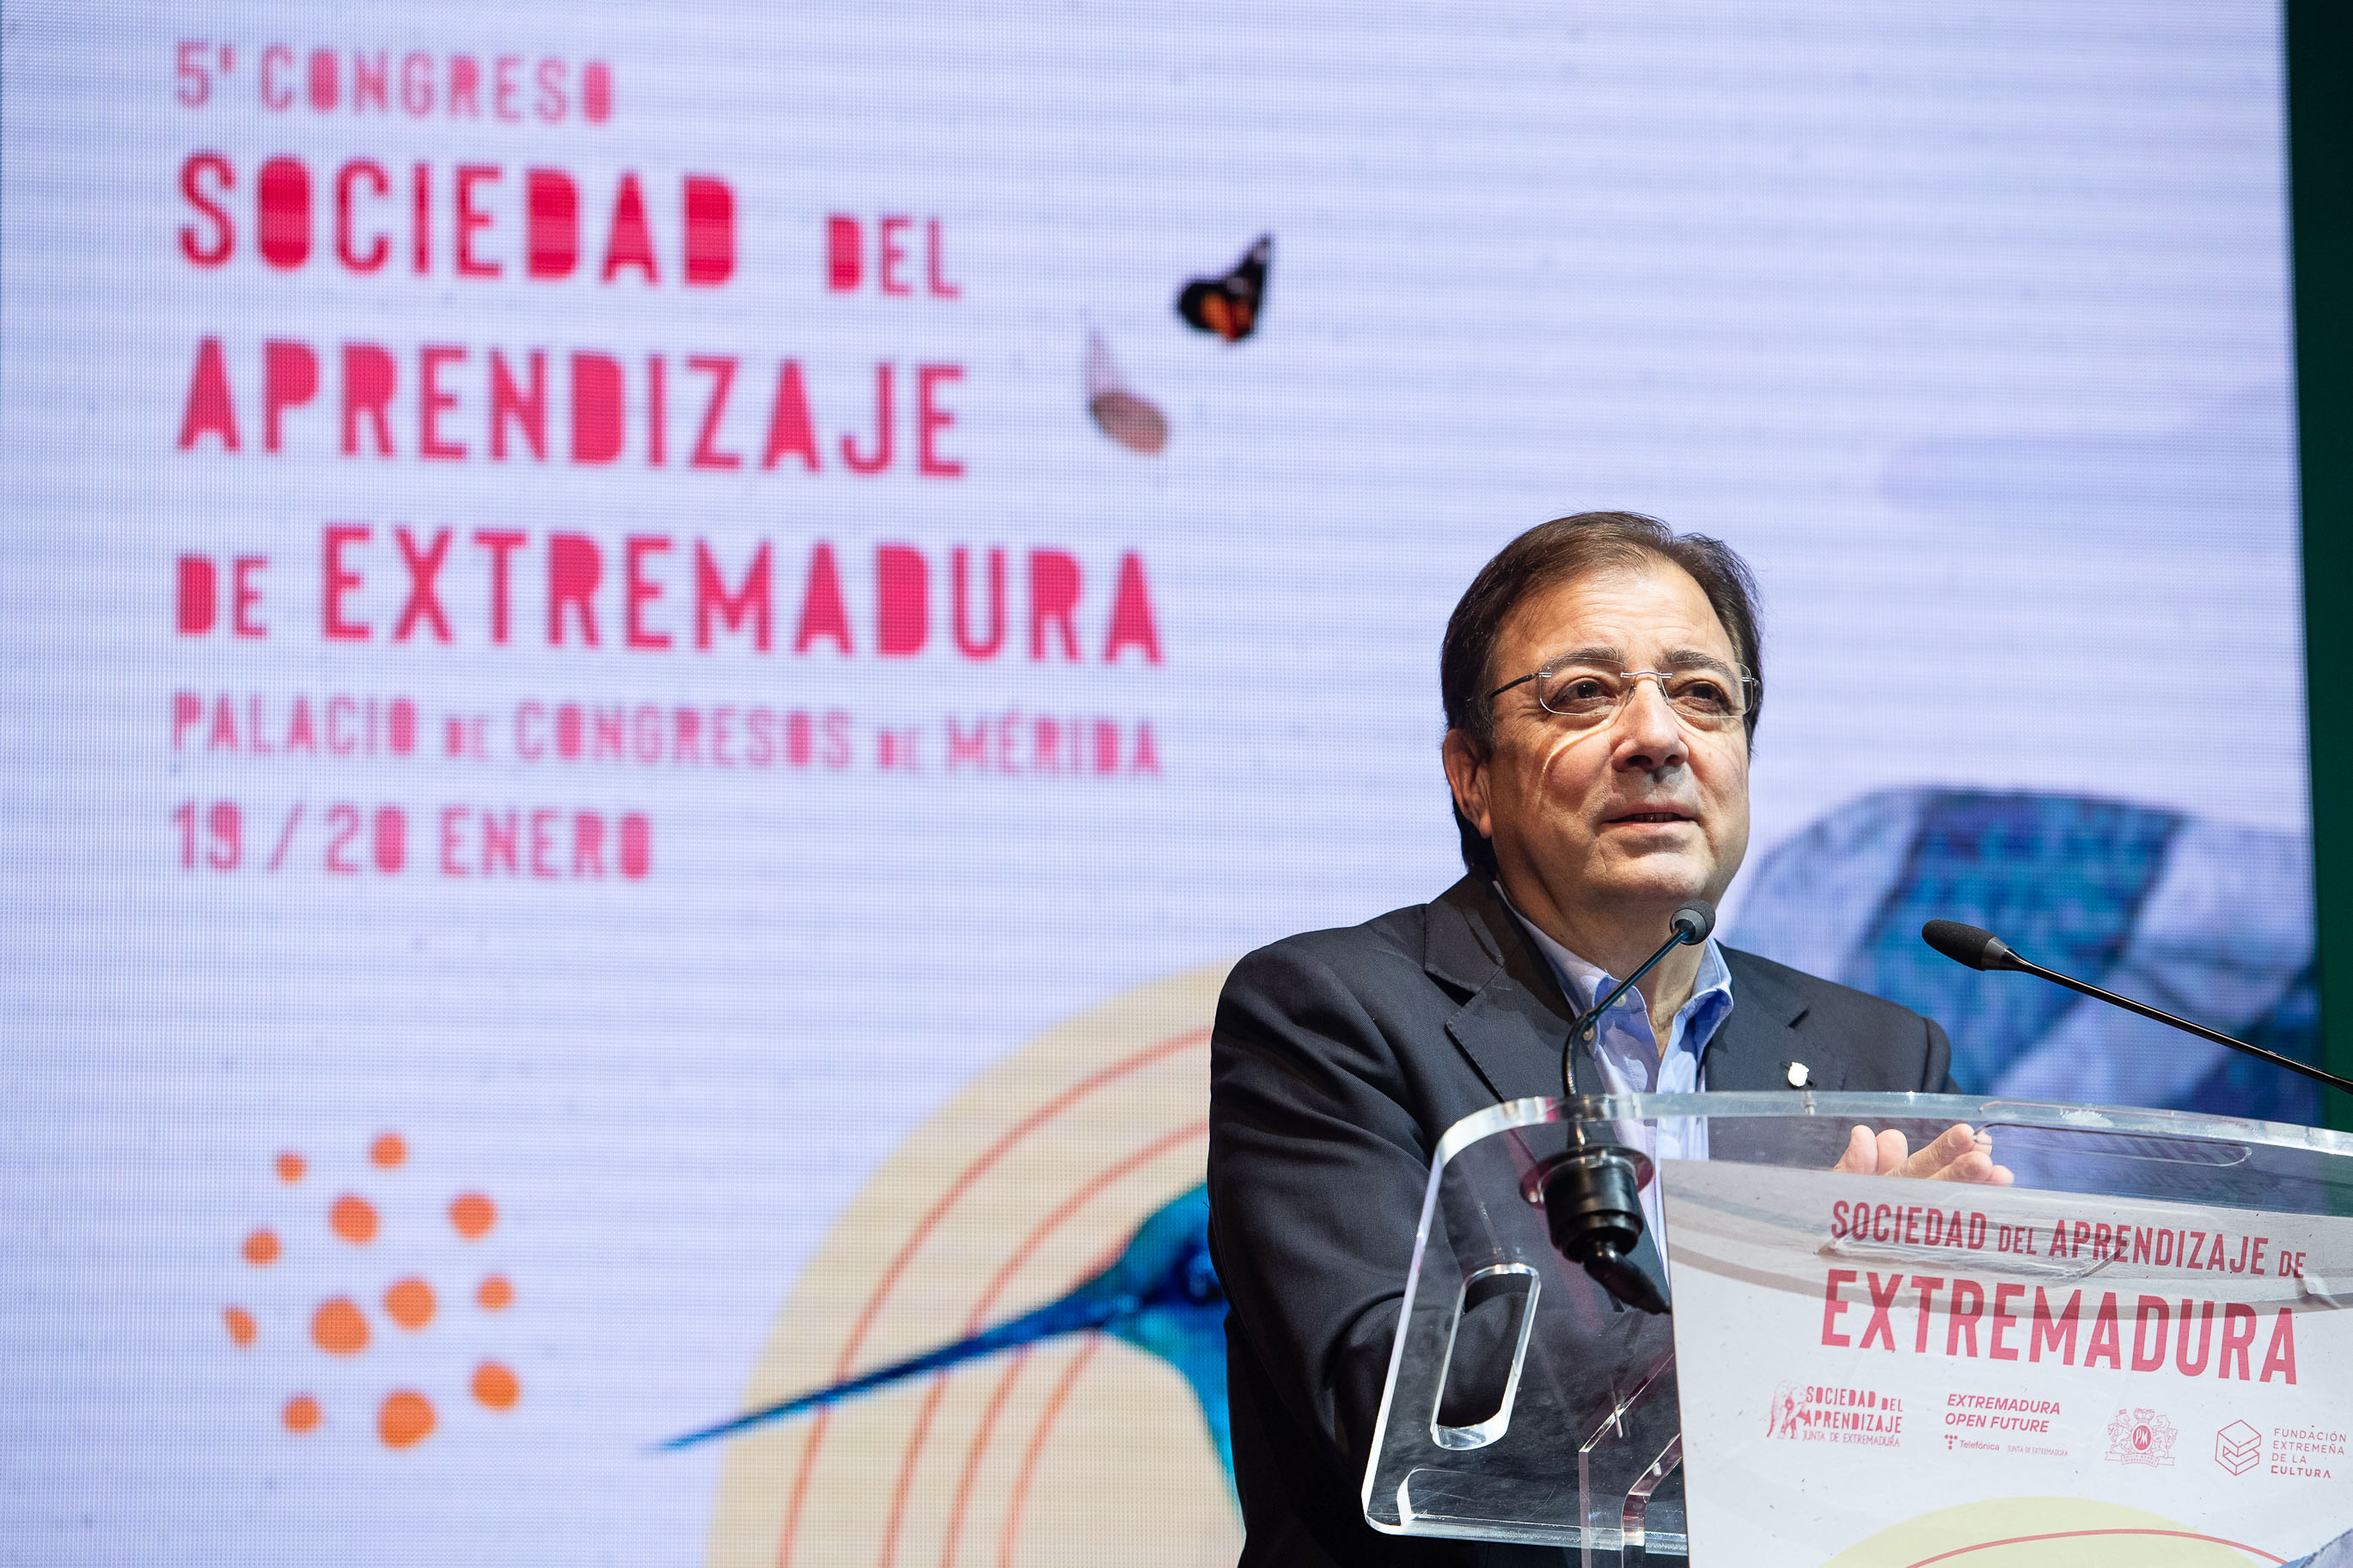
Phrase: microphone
(1981, 949)
(1591, 1195)
(1693, 921)
(1687, 927)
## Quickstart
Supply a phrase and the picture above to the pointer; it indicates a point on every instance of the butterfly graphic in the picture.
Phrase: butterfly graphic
(1227, 305)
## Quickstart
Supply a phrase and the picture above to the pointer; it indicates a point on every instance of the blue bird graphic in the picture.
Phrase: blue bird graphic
(1161, 1295)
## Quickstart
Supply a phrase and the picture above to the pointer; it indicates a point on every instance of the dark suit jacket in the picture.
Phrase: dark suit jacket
(1339, 1058)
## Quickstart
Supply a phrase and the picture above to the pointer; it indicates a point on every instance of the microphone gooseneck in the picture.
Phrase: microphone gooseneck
(1687, 927)
(1981, 949)
(1592, 1195)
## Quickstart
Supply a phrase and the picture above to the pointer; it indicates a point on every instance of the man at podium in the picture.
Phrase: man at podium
(1602, 679)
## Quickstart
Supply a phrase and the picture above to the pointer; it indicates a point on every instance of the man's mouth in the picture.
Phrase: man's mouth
(1664, 814)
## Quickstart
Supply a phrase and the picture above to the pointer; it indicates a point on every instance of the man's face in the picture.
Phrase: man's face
(1630, 817)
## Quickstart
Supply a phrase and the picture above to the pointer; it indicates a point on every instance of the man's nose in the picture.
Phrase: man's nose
(1648, 735)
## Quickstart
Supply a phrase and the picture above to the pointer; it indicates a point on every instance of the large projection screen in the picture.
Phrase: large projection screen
(654, 656)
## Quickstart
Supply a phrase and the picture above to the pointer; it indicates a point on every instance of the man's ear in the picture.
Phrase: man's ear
(1466, 774)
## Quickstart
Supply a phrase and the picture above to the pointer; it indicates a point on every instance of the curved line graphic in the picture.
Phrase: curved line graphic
(1029, 1456)
(978, 1450)
(1085, 1194)
(2079, 1534)
(917, 1237)
(983, 1435)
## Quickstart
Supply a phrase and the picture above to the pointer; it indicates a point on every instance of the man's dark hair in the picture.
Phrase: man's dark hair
(1557, 551)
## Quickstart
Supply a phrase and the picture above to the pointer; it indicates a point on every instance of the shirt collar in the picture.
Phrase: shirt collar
(1587, 982)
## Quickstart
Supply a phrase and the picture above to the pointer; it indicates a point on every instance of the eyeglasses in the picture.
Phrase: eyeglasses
(1705, 697)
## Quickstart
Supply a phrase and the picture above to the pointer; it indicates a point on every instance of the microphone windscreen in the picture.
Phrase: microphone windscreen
(1693, 921)
(1973, 945)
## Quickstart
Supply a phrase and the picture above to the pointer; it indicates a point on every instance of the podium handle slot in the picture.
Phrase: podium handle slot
(1486, 1349)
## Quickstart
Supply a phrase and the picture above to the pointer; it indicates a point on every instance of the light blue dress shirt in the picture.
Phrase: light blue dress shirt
(1627, 1051)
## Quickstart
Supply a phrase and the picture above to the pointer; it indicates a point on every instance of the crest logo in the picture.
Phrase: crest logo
(2140, 1438)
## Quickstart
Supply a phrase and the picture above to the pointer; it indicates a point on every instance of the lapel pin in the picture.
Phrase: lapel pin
(1799, 1075)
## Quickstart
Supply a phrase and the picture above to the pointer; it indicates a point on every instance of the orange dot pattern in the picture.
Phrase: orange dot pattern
(337, 1328)
(354, 1219)
(409, 1303)
(473, 1215)
(495, 1386)
(404, 1417)
(240, 1326)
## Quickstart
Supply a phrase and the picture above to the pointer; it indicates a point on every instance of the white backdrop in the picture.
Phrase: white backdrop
(1968, 327)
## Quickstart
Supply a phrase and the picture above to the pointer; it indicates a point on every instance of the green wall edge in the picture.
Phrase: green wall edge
(2319, 37)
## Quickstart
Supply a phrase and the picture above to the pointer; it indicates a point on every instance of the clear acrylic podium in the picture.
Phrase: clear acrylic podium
(1526, 1404)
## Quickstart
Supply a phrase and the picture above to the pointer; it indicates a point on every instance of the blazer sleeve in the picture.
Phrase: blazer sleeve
(1939, 1077)
(1316, 1170)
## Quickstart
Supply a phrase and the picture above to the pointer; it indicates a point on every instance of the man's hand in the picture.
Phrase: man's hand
(1961, 1155)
